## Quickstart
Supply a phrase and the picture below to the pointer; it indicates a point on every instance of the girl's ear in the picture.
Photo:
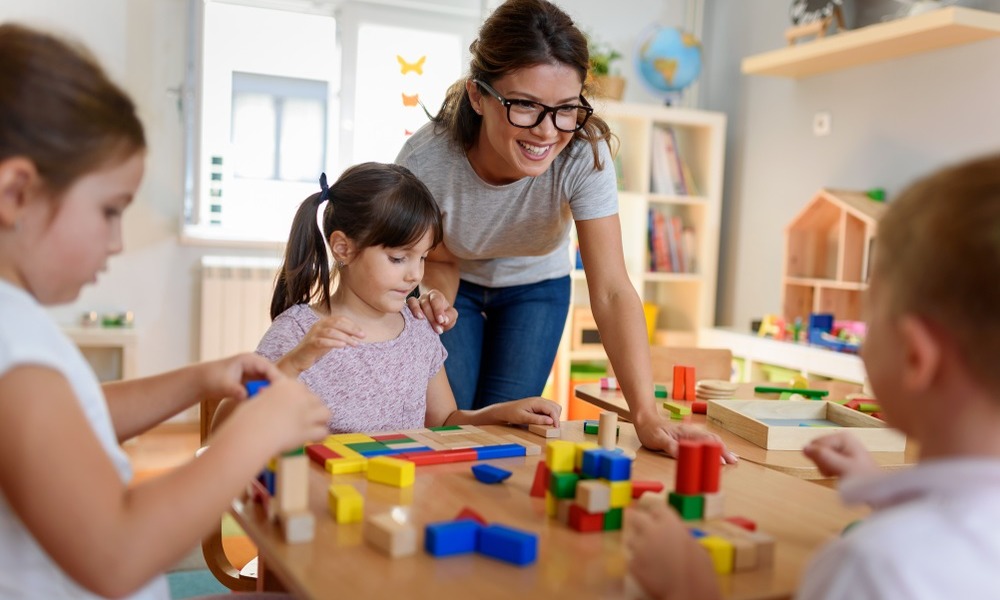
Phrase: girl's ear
(17, 176)
(341, 247)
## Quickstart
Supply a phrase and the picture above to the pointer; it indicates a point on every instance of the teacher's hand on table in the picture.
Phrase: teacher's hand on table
(657, 433)
(434, 307)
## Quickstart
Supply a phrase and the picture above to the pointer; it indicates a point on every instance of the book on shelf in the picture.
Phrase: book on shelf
(670, 173)
(672, 245)
(674, 162)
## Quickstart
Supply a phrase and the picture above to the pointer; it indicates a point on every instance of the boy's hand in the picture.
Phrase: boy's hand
(840, 455)
(325, 335)
(434, 307)
(656, 433)
(529, 411)
(663, 557)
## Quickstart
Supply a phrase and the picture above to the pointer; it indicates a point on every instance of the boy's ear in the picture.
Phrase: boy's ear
(922, 353)
(17, 176)
(341, 247)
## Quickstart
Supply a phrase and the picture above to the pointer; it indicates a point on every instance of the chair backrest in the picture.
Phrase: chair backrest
(708, 363)
(211, 546)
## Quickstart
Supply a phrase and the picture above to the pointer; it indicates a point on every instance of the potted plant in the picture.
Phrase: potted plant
(604, 80)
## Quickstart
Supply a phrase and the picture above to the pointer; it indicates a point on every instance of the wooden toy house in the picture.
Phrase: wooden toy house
(828, 248)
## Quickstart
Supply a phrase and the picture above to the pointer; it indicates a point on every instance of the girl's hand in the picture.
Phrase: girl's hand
(656, 433)
(285, 412)
(529, 411)
(325, 335)
(225, 378)
(663, 557)
(840, 455)
(434, 307)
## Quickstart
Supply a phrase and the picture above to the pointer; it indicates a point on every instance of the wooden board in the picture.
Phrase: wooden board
(744, 418)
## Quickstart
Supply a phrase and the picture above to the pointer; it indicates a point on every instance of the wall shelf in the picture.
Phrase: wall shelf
(933, 30)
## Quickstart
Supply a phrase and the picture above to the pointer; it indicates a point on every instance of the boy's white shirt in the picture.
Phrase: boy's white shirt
(28, 335)
(934, 533)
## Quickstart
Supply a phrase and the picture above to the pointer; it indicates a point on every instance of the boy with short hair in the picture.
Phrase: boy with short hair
(931, 353)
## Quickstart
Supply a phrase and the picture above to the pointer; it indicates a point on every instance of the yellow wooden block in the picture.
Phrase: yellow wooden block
(348, 438)
(391, 471)
(339, 466)
(560, 456)
(621, 493)
(721, 551)
(551, 504)
(343, 450)
(347, 505)
(582, 447)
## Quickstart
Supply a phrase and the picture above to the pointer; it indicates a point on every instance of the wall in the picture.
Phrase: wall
(891, 122)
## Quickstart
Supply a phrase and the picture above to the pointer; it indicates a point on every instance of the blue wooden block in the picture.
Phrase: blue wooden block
(616, 467)
(378, 452)
(266, 478)
(489, 473)
(697, 533)
(255, 385)
(590, 466)
(508, 544)
(448, 538)
(500, 451)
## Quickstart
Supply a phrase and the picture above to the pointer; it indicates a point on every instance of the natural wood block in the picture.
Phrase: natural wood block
(292, 483)
(393, 537)
(297, 526)
(790, 424)
(545, 431)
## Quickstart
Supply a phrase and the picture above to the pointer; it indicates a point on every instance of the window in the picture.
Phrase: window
(288, 89)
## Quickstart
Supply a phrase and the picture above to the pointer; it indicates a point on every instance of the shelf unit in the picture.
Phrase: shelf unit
(827, 253)
(685, 301)
(110, 351)
(941, 28)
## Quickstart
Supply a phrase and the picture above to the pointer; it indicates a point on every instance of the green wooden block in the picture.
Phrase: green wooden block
(295, 452)
(366, 446)
(445, 428)
(563, 485)
(404, 440)
(590, 427)
(690, 508)
(659, 391)
(613, 519)
(677, 409)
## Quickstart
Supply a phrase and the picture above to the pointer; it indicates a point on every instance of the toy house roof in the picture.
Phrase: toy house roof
(828, 202)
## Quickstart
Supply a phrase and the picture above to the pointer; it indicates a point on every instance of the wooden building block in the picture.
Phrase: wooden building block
(593, 495)
(529, 448)
(297, 526)
(346, 504)
(690, 384)
(393, 536)
(720, 550)
(678, 391)
(582, 521)
(713, 505)
(391, 471)
(607, 430)
(545, 431)
(292, 483)
(560, 456)
(508, 544)
(541, 482)
(340, 466)
(621, 493)
(688, 468)
(582, 447)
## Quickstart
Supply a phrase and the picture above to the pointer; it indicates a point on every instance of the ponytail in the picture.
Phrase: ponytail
(305, 272)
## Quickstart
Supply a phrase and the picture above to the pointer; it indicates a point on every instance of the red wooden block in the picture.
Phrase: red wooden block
(583, 521)
(468, 513)
(711, 466)
(699, 407)
(688, 468)
(678, 391)
(318, 453)
(855, 404)
(641, 487)
(541, 482)
(389, 436)
(438, 457)
(690, 383)
(743, 522)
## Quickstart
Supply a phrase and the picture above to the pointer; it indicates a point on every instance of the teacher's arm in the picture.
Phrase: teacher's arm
(622, 325)
(439, 287)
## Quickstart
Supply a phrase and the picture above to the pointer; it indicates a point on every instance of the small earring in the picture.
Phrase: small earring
(340, 264)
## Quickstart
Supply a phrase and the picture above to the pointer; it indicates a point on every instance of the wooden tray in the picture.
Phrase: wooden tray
(791, 424)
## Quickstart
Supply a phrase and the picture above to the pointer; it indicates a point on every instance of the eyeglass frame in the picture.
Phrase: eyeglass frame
(546, 110)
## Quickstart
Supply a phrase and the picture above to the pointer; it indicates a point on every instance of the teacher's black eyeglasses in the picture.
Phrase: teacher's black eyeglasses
(527, 114)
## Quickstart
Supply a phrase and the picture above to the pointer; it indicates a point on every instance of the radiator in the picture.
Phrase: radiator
(235, 303)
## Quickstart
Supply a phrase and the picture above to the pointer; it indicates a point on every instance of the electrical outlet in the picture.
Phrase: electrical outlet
(821, 123)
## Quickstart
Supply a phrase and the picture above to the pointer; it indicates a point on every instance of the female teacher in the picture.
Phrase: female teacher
(514, 158)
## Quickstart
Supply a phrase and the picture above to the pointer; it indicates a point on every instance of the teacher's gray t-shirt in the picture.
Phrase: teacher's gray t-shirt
(518, 233)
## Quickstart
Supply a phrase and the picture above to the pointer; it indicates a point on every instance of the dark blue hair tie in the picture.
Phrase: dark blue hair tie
(324, 195)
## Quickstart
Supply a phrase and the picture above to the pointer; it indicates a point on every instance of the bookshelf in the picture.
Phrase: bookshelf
(942, 28)
(684, 299)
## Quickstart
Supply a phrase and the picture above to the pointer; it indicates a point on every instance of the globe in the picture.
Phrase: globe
(668, 60)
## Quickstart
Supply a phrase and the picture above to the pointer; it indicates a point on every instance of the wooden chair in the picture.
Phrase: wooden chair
(708, 363)
(211, 546)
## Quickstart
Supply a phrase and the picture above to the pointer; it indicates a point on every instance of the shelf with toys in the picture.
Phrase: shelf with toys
(670, 166)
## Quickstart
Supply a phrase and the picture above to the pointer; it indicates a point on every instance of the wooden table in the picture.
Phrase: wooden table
(792, 462)
(338, 564)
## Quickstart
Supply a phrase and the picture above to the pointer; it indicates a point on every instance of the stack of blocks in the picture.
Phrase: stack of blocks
(733, 543)
(685, 386)
(585, 486)
(467, 535)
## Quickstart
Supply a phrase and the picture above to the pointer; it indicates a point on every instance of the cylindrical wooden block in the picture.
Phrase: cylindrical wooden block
(711, 466)
(688, 468)
(607, 428)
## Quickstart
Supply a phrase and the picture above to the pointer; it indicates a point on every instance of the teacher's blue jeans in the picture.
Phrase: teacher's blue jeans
(505, 340)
